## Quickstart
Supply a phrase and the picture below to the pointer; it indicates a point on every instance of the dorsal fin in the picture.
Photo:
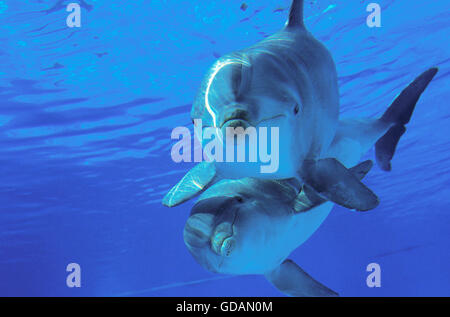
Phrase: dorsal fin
(296, 14)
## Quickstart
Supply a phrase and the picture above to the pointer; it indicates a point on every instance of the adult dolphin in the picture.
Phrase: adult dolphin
(288, 81)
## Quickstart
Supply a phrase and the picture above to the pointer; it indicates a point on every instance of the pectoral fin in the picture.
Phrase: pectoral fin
(290, 279)
(308, 199)
(194, 182)
(361, 170)
(333, 181)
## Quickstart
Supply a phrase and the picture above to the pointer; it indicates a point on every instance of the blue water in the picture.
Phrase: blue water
(85, 121)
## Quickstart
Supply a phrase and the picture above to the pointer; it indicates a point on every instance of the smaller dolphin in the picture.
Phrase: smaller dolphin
(250, 226)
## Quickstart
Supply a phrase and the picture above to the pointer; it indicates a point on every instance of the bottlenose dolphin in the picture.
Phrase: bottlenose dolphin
(289, 81)
(250, 226)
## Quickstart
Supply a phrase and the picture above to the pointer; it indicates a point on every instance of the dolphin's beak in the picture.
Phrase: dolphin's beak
(235, 123)
(222, 241)
(211, 225)
(236, 118)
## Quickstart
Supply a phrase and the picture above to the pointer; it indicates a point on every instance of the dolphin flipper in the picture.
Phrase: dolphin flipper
(194, 182)
(290, 279)
(399, 114)
(333, 181)
(362, 169)
(309, 199)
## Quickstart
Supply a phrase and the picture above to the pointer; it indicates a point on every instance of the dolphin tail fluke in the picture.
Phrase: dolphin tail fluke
(296, 14)
(290, 279)
(194, 182)
(399, 114)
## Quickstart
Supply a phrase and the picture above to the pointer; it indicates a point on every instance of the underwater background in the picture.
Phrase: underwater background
(85, 121)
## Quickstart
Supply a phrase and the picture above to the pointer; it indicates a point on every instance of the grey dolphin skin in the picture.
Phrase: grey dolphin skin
(250, 226)
(248, 223)
(289, 81)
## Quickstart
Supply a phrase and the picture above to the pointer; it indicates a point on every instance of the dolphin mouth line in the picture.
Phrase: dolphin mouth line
(271, 118)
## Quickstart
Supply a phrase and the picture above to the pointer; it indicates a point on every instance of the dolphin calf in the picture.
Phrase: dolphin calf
(288, 81)
(250, 226)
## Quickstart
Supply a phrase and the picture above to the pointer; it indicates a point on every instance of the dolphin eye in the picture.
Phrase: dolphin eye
(239, 199)
(297, 108)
